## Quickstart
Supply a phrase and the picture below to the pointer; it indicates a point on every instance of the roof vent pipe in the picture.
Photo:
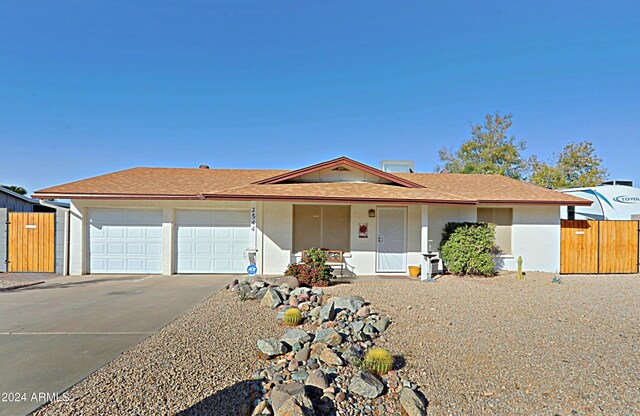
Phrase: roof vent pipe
(203, 167)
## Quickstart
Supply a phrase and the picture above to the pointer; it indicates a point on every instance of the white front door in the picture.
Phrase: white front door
(212, 241)
(392, 240)
(125, 241)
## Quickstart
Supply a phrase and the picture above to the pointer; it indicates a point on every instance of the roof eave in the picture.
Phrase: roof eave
(335, 162)
(116, 196)
(537, 202)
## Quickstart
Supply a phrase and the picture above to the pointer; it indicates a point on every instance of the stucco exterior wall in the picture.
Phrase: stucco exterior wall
(439, 216)
(535, 233)
(535, 237)
(275, 237)
(61, 220)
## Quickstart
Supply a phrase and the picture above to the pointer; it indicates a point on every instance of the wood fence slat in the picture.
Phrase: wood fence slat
(31, 242)
(599, 246)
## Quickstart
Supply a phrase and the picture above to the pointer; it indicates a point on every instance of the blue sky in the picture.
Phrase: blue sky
(90, 87)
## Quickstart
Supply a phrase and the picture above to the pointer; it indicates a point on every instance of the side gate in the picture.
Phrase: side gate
(31, 242)
(591, 247)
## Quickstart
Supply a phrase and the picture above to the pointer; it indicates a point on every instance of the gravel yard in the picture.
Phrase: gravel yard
(503, 346)
(195, 365)
(476, 346)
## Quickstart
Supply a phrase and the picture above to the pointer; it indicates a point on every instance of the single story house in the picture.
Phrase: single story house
(167, 221)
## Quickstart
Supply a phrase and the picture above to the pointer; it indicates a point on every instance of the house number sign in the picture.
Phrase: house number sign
(30, 226)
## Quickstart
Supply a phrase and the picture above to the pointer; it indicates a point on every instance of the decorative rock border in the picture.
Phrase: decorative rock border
(316, 368)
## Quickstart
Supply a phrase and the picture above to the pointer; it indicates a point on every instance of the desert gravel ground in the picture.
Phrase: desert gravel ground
(507, 347)
(195, 365)
(476, 346)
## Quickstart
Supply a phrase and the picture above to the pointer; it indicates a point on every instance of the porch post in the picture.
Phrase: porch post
(424, 239)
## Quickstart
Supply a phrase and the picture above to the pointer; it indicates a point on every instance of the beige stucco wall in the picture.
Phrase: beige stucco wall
(535, 237)
(536, 233)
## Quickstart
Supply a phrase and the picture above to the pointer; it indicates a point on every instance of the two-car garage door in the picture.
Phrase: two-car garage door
(130, 241)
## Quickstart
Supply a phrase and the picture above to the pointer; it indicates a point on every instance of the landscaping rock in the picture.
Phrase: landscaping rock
(271, 347)
(299, 375)
(382, 324)
(411, 403)
(290, 281)
(330, 357)
(317, 379)
(283, 392)
(271, 298)
(293, 336)
(352, 303)
(296, 406)
(363, 312)
(329, 336)
(366, 385)
(303, 354)
(328, 312)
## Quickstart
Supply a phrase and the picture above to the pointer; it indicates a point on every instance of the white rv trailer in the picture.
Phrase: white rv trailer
(613, 200)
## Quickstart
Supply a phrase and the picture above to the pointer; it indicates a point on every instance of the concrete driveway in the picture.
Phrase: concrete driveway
(55, 334)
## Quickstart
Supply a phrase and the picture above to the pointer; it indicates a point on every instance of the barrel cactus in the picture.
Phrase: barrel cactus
(292, 317)
(378, 360)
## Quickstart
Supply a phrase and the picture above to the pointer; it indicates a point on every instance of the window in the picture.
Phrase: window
(503, 219)
(571, 212)
(321, 226)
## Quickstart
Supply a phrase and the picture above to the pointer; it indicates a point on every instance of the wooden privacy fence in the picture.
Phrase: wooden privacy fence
(31, 245)
(591, 247)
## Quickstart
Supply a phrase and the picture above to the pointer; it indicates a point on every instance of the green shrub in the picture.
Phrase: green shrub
(467, 247)
(314, 271)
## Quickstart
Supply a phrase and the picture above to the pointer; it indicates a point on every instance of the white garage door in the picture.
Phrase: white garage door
(212, 241)
(125, 241)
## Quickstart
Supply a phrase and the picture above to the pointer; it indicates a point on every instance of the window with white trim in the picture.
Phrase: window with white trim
(503, 219)
(321, 226)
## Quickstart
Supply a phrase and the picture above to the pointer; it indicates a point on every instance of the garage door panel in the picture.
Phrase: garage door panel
(125, 241)
(212, 241)
(154, 249)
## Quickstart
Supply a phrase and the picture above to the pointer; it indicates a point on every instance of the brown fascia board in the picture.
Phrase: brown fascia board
(586, 203)
(117, 196)
(334, 162)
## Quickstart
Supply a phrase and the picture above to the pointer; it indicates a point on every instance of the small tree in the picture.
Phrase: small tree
(467, 247)
(489, 150)
(17, 189)
(576, 166)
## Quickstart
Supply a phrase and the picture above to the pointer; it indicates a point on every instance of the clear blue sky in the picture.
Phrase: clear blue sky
(89, 87)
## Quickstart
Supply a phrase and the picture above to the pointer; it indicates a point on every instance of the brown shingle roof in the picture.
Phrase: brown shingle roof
(224, 184)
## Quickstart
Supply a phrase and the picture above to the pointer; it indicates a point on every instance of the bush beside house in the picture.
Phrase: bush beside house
(313, 271)
(468, 248)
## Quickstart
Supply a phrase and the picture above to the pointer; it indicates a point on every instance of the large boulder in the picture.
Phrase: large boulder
(366, 385)
(412, 403)
(271, 347)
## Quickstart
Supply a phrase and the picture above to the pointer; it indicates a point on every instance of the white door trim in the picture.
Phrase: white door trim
(404, 242)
